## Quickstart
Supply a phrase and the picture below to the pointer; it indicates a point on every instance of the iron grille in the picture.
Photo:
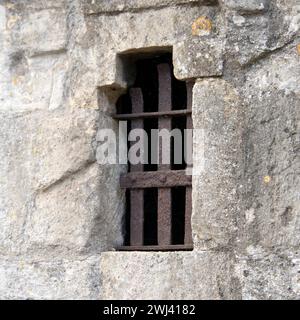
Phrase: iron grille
(164, 180)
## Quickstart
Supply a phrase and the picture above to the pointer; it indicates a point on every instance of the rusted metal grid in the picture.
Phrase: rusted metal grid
(164, 178)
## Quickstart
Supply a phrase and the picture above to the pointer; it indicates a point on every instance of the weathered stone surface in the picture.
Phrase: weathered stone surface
(33, 84)
(247, 6)
(197, 58)
(251, 40)
(59, 209)
(43, 31)
(251, 37)
(54, 154)
(158, 275)
(56, 223)
(289, 12)
(118, 6)
(33, 64)
(34, 5)
(23, 278)
(149, 36)
(218, 112)
(48, 139)
(272, 145)
(266, 275)
(48, 126)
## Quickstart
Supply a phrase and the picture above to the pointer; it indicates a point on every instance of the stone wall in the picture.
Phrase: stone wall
(62, 67)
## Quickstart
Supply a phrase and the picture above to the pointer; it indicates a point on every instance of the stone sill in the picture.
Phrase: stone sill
(164, 275)
(117, 6)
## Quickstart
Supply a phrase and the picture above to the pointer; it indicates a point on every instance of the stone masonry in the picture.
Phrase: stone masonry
(63, 64)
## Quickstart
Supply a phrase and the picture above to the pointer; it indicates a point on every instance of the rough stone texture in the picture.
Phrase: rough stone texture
(251, 37)
(265, 275)
(61, 279)
(63, 64)
(118, 6)
(247, 6)
(33, 62)
(54, 207)
(218, 111)
(34, 27)
(149, 35)
(269, 230)
(272, 143)
(196, 58)
(177, 275)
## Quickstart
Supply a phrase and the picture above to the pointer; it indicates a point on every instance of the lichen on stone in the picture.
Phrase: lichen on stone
(202, 26)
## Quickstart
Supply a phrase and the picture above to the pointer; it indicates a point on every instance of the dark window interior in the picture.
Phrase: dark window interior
(147, 80)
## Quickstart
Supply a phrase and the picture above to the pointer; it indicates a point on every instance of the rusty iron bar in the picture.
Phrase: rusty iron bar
(143, 115)
(188, 216)
(188, 193)
(164, 211)
(137, 195)
(164, 179)
(156, 179)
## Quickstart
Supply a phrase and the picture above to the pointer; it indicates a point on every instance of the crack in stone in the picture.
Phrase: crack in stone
(267, 53)
(66, 176)
(48, 53)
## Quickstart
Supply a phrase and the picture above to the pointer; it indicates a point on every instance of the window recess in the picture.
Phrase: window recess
(159, 196)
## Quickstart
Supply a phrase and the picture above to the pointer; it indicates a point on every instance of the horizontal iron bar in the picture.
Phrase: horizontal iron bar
(174, 247)
(155, 179)
(173, 113)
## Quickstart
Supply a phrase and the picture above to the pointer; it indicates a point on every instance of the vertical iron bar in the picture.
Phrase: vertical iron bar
(137, 195)
(164, 212)
(188, 195)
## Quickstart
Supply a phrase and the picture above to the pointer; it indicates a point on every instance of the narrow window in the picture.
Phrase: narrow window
(159, 194)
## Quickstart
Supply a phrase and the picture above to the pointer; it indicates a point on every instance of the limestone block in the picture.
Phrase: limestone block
(44, 31)
(101, 6)
(149, 36)
(23, 278)
(247, 6)
(272, 145)
(218, 163)
(266, 275)
(61, 145)
(39, 153)
(33, 83)
(112, 73)
(16, 180)
(34, 5)
(49, 146)
(290, 10)
(251, 37)
(44, 4)
(198, 57)
(247, 37)
(169, 275)
(62, 208)
(2, 18)
(83, 91)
